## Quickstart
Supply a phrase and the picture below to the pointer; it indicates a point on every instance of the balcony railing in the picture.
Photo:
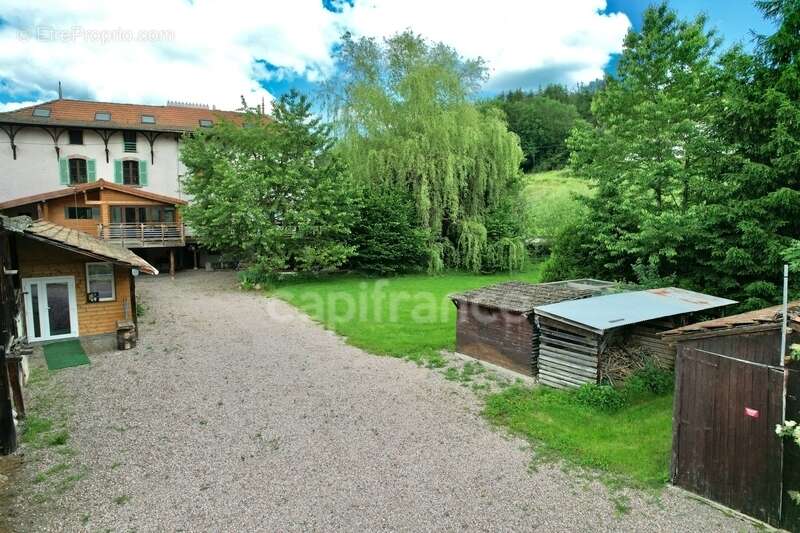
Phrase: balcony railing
(147, 235)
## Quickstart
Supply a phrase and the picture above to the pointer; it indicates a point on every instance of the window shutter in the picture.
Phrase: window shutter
(117, 171)
(91, 170)
(63, 172)
(143, 173)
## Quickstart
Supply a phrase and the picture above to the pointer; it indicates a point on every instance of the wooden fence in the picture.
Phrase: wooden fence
(724, 443)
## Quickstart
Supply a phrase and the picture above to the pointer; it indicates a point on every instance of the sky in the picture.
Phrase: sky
(215, 52)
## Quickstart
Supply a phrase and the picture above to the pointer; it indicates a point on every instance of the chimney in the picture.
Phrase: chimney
(60, 94)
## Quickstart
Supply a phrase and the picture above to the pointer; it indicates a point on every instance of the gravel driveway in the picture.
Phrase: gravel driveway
(225, 420)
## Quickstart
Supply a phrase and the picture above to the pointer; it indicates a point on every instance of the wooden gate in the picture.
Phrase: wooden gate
(724, 442)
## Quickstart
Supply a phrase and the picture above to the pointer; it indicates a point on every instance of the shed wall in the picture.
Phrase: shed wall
(758, 347)
(500, 337)
(718, 451)
(41, 260)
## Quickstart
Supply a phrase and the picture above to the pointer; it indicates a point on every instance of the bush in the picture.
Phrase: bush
(652, 379)
(602, 397)
(386, 236)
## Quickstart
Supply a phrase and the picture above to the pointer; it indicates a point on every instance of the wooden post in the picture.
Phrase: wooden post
(194, 251)
(172, 263)
(132, 281)
(8, 432)
(13, 366)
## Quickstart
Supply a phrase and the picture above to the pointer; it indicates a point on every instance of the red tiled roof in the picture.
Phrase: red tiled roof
(99, 184)
(65, 112)
(768, 315)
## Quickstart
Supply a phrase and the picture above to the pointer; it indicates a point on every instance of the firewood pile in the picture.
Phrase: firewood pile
(619, 361)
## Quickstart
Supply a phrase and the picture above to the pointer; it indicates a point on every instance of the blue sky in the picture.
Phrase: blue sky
(733, 20)
(206, 51)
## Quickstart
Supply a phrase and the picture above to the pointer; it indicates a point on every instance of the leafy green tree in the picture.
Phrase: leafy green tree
(680, 197)
(543, 125)
(386, 236)
(271, 193)
(405, 120)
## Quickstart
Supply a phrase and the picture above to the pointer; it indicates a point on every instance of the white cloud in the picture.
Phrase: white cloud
(568, 40)
(207, 50)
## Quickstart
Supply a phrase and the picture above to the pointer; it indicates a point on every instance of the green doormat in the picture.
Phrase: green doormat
(64, 354)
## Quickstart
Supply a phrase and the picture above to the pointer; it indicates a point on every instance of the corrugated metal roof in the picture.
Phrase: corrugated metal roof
(611, 311)
(75, 240)
(522, 297)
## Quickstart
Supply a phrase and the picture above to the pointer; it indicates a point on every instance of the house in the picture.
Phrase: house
(733, 385)
(73, 284)
(496, 323)
(67, 142)
(578, 338)
(135, 218)
(71, 143)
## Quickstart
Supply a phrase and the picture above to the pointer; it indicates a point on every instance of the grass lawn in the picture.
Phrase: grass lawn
(633, 443)
(412, 317)
(405, 316)
(550, 197)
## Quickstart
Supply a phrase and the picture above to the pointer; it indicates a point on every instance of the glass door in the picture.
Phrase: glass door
(51, 310)
(58, 311)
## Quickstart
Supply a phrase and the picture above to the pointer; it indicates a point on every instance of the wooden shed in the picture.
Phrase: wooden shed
(731, 390)
(575, 336)
(495, 323)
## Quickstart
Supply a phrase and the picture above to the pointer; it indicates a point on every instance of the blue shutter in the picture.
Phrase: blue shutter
(117, 171)
(91, 170)
(63, 172)
(143, 173)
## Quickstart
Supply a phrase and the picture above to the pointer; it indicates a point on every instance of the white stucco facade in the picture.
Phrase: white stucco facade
(36, 167)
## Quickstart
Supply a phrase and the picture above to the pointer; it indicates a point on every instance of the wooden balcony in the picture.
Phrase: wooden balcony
(147, 235)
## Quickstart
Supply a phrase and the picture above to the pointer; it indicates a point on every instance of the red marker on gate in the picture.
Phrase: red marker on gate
(753, 413)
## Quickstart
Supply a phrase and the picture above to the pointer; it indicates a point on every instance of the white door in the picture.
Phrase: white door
(51, 310)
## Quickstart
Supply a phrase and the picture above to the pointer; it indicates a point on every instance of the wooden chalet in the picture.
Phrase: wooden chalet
(495, 323)
(575, 336)
(74, 284)
(732, 386)
(121, 214)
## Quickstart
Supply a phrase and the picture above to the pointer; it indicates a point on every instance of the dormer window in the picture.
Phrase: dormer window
(42, 112)
(206, 123)
(148, 119)
(102, 116)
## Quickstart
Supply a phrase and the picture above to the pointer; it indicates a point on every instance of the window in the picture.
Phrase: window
(129, 141)
(75, 136)
(41, 112)
(142, 215)
(102, 116)
(205, 123)
(81, 213)
(100, 282)
(148, 119)
(77, 171)
(130, 172)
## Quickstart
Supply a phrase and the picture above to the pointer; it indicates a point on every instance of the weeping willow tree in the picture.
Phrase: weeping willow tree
(404, 118)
